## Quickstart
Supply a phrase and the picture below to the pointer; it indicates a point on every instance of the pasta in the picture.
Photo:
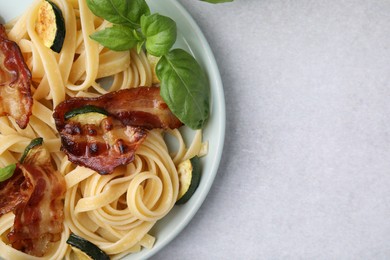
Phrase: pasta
(117, 211)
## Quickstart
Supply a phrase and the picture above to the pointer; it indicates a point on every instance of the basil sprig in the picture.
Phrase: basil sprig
(120, 12)
(160, 33)
(184, 85)
(117, 37)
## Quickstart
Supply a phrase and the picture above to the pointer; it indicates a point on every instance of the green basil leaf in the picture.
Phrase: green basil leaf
(216, 1)
(127, 12)
(184, 87)
(160, 33)
(117, 38)
(7, 172)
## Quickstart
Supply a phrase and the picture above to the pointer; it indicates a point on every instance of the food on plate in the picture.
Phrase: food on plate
(15, 82)
(101, 137)
(34, 194)
(184, 85)
(104, 132)
(189, 175)
(83, 249)
(50, 25)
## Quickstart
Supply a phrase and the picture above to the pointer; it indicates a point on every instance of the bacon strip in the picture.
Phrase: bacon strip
(101, 148)
(114, 141)
(138, 107)
(35, 194)
(15, 82)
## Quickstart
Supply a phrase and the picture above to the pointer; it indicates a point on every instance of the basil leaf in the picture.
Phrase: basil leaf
(117, 38)
(127, 12)
(216, 1)
(184, 87)
(7, 172)
(160, 32)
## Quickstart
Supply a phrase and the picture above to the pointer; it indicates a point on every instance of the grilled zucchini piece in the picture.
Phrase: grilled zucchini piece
(8, 171)
(35, 142)
(189, 177)
(87, 115)
(50, 25)
(84, 249)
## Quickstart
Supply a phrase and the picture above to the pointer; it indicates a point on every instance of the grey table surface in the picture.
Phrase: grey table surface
(305, 172)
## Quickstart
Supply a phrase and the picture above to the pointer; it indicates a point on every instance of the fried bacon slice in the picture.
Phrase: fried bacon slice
(35, 194)
(112, 141)
(101, 147)
(15, 82)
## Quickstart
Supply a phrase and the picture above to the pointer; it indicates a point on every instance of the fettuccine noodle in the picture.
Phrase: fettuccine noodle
(117, 211)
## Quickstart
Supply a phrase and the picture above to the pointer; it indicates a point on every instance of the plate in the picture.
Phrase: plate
(192, 39)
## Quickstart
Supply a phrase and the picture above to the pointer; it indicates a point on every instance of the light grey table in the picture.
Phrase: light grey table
(305, 172)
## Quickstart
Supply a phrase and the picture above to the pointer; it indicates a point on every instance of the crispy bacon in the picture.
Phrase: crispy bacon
(35, 195)
(114, 142)
(15, 82)
(138, 107)
(101, 148)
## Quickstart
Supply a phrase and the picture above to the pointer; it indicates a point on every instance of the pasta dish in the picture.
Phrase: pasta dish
(113, 206)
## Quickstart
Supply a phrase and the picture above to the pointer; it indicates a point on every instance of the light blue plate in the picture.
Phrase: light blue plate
(190, 38)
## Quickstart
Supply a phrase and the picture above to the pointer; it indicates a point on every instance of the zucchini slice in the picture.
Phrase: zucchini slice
(86, 115)
(32, 144)
(189, 177)
(8, 171)
(85, 249)
(50, 25)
